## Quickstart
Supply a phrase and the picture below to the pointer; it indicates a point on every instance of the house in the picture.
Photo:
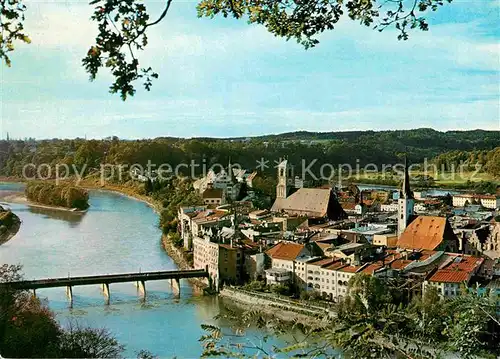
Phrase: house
(224, 180)
(457, 270)
(391, 207)
(483, 240)
(487, 201)
(277, 276)
(331, 276)
(194, 220)
(389, 240)
(255, 265)
(431, 233)
(242, 176)
(293, 258)
(213, 196)
(217, 251)
(259, 214)
(185, 214)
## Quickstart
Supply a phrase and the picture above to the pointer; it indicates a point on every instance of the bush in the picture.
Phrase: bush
(176, 239)
(282, 289)
(256, 285)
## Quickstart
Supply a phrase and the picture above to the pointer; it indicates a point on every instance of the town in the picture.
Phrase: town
(313, 240)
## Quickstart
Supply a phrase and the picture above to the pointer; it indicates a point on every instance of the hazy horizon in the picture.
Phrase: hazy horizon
(243, 137)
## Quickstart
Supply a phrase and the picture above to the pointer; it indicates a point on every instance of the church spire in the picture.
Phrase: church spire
(405, 188)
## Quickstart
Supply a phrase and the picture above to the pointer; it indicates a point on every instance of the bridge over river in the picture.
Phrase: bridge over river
(107, 279)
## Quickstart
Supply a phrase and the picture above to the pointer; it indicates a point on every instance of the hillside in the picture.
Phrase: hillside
(356, 148)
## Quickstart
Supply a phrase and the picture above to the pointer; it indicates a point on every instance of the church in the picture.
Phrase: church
(421, 232)
(309, 202)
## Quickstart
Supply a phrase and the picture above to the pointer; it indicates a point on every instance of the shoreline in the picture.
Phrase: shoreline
(21, 199)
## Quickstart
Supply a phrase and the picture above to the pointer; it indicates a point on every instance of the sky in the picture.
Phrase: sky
(224, 78)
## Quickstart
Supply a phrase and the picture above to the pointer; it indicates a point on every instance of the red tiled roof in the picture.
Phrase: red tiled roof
(287, 251)
(457, 268)
(449, 277)
(322, 262)
(350, 269)
(425, 232)
(371, 268)
(400, 263)
(335, 265)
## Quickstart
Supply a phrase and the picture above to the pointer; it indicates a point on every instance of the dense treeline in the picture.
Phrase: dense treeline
(172, 194)
(57, 195)
(488, 161)
(354, 148)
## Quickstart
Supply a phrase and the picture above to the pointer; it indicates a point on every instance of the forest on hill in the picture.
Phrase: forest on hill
(301, 148)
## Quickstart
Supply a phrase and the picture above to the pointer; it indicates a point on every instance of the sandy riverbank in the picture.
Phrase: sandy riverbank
(21, 199)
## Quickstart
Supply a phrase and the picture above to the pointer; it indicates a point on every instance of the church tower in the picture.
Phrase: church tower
(285, 179)
(405, 203)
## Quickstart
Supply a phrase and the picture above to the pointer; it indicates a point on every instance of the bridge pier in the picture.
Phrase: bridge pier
(34, 293)
(141, 288)
(69, 294)
(105, 291)
(176, 286)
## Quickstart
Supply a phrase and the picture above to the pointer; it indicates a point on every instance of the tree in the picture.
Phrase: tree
(123, 25)
(148, 186)
(28, 329)
(86, 342)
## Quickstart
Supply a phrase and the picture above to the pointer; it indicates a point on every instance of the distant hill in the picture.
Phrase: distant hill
(356, 148)
(465, 140)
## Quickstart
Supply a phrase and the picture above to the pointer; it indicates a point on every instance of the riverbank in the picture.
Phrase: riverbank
(179, 258)
(95, 184)
(288, 310)
(21, 199)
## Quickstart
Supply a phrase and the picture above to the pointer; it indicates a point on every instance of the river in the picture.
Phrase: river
(117, 235)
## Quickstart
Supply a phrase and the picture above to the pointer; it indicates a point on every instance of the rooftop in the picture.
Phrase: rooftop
(285, 250)
(213, 193)
(425, 232)
(456, 268)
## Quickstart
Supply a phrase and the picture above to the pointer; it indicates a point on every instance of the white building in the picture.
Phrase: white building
(391, 207)
(276, 276)
(487, 201)
(453, 273)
